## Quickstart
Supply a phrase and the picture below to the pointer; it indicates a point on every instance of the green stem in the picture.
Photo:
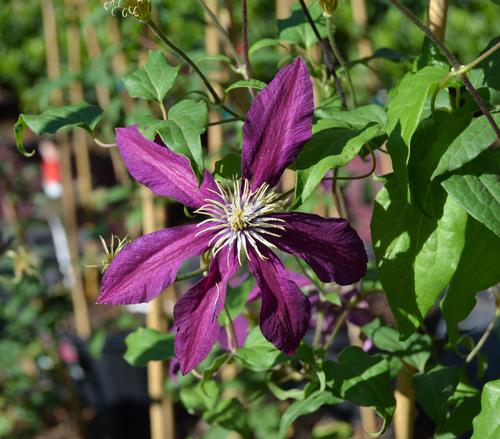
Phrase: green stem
(190, 274)
(233, 343)
(338, 55)
(313, 281)
(451, 59)
(320, 317)
(217, 99)
(482, 340)
(338, 324)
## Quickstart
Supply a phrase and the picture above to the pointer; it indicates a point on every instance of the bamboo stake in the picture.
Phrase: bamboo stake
(81, 150)
(212, 47)
(160, 410)
(80, 307)
(437, 15)
(102, 92)
(405, 405)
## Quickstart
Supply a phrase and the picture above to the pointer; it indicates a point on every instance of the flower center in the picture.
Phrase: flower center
(242, 217)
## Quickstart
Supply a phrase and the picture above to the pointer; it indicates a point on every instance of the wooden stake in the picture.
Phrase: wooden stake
(161, 409)
(212, 47)
(102, 92)
(81, 150)
(80, 307)
(405, 405)
(437, 15)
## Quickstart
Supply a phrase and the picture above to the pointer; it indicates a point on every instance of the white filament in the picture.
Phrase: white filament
(241, 218)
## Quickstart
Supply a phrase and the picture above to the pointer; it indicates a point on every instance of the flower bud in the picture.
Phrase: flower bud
(140, 9)
(328, 7)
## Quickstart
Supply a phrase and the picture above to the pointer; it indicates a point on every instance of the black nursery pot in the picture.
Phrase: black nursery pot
(112, 392)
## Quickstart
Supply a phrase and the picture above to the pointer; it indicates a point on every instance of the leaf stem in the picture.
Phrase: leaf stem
(483, 339)
(244, 31)
(163, 38)
(338, 55)
(191, 274)
(451, 59)
(338, 324)
(327, 54)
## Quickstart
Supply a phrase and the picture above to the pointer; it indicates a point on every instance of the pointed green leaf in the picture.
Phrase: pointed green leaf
(146, 344)
(364, 380)
(487, 423)
(330, 147)
(265, 42)
(229, 414)
(53, 119)
(416, 254)
(477, 270)
(433, 389)
(247, 83)
(304, 407)
(407, 105)
(187, 121)
(296, 29)
(152, 81)
(476, 187)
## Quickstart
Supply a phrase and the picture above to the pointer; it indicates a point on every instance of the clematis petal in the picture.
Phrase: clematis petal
(146, 266)
(161, 170)
(196, 312)
(240, 325)
(278, 124)
(285, 311)
(330, 246)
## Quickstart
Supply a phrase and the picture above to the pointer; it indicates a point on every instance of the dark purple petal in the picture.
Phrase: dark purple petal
(361, 315)
(330, 246)
(240, 325)
(285, 311)
(277, 125)
(298, 278)
(161, 170)
(146, 266)
(196, 312)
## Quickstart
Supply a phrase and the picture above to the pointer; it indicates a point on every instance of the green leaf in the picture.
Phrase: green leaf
(258, 354)
(478, 137)
(265, 42)
(487, 423)
(364, 380)
(229, 414)
(236, 299)
(247, 83)
(228, 167)
(146, 344)
(416, 255)
(433, 389)
(358, 118)
(405, 108)
(187, 121)
(486, 72)
(296, 29)
(477, 270)
(477, 189)
(53, 119)
(304, 407)
(200, 397)
(152, 81)
(330, 147)
(415, 350)
(465, 404)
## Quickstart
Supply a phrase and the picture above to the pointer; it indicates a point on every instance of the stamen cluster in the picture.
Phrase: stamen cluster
(241, 217)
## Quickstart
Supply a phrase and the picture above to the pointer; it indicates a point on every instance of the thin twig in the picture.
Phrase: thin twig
(244, 31)
(327, 54)
(338, 324)
(338, 55)
(451, 59)
(482, 340)
(217, 99)
(360, 177)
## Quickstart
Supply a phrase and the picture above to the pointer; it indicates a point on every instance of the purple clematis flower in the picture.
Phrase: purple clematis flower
(245, 219)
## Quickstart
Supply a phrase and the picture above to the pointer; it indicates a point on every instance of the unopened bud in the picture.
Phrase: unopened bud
(328, 7)
(140, 9)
